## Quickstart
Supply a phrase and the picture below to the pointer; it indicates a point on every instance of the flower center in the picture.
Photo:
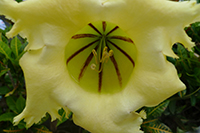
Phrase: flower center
(100, 57)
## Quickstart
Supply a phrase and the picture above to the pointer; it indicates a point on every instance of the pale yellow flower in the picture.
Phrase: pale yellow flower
(103, 98)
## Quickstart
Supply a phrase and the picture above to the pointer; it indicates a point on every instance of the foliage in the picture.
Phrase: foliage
(152, 124)
(178, 114)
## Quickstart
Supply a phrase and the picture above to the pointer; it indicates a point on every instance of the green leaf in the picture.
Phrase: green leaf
(20, 104)
(180, 109)
(20, 55)
(7, 116)
(182, 52)
(193, 100)
(11, 104)
(21, 125)
(172, 106)
(4, 49)
(44, 119)
(172, 60)
(158, 110)
(180, 131)
(2, 72)
(4, 90)
(154, 126)
(3, 38)
(3, 69)
(15, 46)
(63, 117)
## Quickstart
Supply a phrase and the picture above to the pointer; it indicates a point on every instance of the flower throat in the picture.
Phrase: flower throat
(100, 57)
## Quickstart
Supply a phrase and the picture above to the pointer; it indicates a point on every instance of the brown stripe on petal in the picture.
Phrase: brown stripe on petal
(117, 70)
(116, 27)
(77, 36)
(112, 58)
(80, 50)
(93, 27)
(86, 63)
(128, 56)
(104, 26)
(123, 38)
(100, 77)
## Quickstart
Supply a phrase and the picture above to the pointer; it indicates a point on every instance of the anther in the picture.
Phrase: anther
(104, 59)
(95, 55)
(93, 66)
(105, 49)
(105, 55)
(110, 53)
(94, 52)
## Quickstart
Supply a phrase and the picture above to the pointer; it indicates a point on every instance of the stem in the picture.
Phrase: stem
(187, 96)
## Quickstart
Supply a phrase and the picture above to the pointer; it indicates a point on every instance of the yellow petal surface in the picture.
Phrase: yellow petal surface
(154, 26)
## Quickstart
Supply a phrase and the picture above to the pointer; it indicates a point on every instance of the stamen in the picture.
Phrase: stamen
(100, 68)
(104, 59)
(95, 55)
(110, 53)
(86, 63)
(113, 60)
(105, 55)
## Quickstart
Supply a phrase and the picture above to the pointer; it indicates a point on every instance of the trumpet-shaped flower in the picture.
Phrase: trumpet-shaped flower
(100, 59)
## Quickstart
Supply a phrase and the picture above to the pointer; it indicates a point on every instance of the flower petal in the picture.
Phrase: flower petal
(154, 26)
